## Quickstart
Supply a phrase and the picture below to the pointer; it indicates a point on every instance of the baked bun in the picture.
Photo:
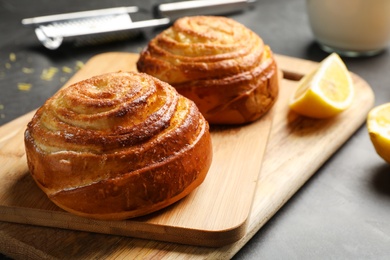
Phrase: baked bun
(221, 65)
(117, 146)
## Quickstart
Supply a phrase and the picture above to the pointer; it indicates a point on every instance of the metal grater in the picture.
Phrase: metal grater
(53, 29)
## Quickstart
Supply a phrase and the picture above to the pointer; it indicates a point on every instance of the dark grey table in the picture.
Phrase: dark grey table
(342, 212)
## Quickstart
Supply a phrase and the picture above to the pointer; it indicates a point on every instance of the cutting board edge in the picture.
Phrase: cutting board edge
(127, 228)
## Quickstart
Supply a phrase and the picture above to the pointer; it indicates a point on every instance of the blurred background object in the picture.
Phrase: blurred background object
(350, 28)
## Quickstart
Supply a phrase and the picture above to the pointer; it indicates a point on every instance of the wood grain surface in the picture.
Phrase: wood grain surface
(297, 147)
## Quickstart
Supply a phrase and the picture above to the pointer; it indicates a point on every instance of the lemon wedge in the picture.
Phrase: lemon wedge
(378, 125)
(326, 91)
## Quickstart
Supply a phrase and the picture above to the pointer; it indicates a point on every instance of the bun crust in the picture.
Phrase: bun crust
(117, 146)
(221, 65)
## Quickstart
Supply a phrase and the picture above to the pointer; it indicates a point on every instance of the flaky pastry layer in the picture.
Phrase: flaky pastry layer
(118, 145)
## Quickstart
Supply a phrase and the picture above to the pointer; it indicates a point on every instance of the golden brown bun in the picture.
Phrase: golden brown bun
(221, 65)
(117, 146)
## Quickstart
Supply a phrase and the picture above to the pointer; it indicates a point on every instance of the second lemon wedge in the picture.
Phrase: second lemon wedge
(326, 91)
(378, 125)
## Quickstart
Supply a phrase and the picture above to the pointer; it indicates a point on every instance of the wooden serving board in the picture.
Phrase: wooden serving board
(297, 147)
(214, 214)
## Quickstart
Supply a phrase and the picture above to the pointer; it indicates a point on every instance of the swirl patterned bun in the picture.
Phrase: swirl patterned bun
(117, 146)
(221, 65)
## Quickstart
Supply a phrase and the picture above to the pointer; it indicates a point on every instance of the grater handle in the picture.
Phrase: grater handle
(79, 15)
(201, 7)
